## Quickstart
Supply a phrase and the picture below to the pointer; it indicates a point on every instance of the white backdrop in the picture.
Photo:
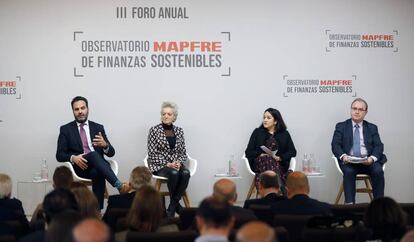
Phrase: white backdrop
(270, 41)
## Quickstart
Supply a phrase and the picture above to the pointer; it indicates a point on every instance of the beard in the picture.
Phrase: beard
(81, 119)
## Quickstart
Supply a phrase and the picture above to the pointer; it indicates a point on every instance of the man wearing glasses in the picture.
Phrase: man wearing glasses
(357, 146)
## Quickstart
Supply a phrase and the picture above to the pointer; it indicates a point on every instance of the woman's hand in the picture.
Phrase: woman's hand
(175, 165)
(277, 158)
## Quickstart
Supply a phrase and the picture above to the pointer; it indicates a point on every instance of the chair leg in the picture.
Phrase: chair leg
(339, 195)
(367, 182)
(158, 185)
(186, 200)
(106, 194)
(251, 189)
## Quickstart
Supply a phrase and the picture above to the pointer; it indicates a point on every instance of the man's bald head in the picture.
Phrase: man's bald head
(91, 230)
(297, 183)
(225, 190)
(256, 231)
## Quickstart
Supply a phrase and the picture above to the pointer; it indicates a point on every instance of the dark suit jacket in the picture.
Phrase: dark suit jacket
(342, 140)
(286, 148)
(119, 201)
(69, 141)
(269, 199)
(301, 205)
(159, 151)
(239, 212)
(12, 209)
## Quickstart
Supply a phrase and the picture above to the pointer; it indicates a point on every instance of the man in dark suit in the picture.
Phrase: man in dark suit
(357, 137)
(299, 203)
(268, 190)
(84, 143)
(139, 176)
(225, 190)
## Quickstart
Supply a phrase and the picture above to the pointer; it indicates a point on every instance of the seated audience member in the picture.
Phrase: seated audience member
(145, 214)
(11, 208)
(91, 230)
(214, 220)
(269, 190)
(60, 229)
(386, 219)
(62, 178)
(299, 202)
(87, 202)
(408, 237)
(225, 190)
(139, 176)
(256, 231)
(55, 202)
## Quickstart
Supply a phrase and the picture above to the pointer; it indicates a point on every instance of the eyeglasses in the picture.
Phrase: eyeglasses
(358, 109)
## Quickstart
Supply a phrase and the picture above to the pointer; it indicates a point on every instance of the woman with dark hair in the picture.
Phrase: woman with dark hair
(145, 214)
(60, 229)
(385, 218)
(272, 134)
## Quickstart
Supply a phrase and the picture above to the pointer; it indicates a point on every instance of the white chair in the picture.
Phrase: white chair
(252, 189)
(360, 177)
(191, 165)
(88, 182)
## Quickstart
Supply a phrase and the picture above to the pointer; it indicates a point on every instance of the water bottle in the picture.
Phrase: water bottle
(232, 168)
(305, 165)
(44, 171)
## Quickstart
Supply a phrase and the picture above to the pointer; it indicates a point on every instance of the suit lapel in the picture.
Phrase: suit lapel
(365, 131)
(75, 132)
(350, 135)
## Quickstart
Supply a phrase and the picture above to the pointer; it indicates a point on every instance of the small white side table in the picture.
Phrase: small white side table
(32, 193)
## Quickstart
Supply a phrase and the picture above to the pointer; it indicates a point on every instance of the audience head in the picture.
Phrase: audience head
(297, 183)
(62, 177)
(77, 184)
(145, 213)
(140, 175)
(408, 237)
(91, 230)
(214, 214)
(169, 112)
(268, 182)
(276, 117)
(60, 229)
(225, 190)
(256, 231)
(58, 201)
(386, 219)
(87, 202)
(5, 186)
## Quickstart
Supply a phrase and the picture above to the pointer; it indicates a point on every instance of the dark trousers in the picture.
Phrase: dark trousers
(98, 170)
(177, 181)
(350, 171)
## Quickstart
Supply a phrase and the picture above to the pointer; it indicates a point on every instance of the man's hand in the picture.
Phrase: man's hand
(346, 159)
(99, 141)
(368, 162)
(80, 161)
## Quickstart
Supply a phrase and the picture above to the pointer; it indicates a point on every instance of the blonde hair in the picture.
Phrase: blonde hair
(87, 202)
(171, 105)
(5, 186)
